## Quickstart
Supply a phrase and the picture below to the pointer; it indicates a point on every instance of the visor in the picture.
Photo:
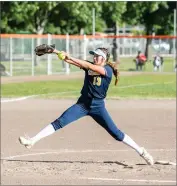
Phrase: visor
(98, 52)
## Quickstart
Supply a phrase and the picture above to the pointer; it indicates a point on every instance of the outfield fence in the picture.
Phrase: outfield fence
(18, 57)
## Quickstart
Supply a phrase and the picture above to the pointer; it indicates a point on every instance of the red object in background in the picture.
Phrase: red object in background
(142, 57)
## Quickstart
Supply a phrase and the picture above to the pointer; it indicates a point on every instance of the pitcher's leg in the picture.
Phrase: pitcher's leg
(102, 117)
(71, 114)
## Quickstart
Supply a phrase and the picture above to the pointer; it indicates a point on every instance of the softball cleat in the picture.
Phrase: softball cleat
(27, 142)
(147, 157)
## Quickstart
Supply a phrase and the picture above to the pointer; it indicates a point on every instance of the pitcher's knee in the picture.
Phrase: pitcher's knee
(57, 124)
(119, 136)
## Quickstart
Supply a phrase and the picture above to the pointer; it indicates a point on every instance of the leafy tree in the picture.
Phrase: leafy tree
(112, 12)
(8, 23)
(30, 16)
(149, 14)
(50, 17)
(166, 24)
(72, 17)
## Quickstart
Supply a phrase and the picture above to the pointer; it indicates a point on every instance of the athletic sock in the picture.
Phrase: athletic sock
(129, 141)
(48, 130)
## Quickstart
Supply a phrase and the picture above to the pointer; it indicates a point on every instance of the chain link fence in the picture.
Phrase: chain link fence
(18, 57)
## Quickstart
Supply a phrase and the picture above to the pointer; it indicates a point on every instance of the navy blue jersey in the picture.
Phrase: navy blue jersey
(96, 85)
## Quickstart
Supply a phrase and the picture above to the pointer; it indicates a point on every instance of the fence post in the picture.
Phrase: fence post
(123, 46)
(160, 41)
(131, 47)
(11, 64)
(49, 56)
(85, 47)
(32, 55)
(162, 66)
(67, 51)
(118, 43)
(23, 48)
(174, 41)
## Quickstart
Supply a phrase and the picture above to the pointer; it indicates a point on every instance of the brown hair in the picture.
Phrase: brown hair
(114, 66)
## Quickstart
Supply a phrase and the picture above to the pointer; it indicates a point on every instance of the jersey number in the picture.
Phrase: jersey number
(97, 81)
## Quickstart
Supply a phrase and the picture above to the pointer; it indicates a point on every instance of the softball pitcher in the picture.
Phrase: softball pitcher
(98, 76)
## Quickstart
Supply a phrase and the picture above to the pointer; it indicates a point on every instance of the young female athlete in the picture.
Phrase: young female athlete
(98, 76)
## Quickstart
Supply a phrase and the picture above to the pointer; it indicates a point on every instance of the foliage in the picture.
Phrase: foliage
(8, 24)
(148, 14)
(72, 17)
(153, 15)
(31, 16)
(166, 20)
(112, 12)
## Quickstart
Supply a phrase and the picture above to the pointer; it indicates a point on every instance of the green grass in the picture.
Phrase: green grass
(126, 64)
(21, 68)
(137, 86)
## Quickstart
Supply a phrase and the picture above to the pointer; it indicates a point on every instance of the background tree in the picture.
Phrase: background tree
(26, 16)
(8, 23)
(112, 15)
(112, 12)
(149, 14)
(72, 17)
(167, 20)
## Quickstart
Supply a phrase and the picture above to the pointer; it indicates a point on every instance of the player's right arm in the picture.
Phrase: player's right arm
(82, 63)
(68, 61)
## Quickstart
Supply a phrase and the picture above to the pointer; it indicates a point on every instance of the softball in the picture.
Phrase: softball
(61, 56)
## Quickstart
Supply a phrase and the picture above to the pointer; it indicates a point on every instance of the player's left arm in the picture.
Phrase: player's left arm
(87, 65)
(73, 63)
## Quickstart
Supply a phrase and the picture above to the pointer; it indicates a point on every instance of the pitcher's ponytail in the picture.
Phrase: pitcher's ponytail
(113, 65)
(115, 71)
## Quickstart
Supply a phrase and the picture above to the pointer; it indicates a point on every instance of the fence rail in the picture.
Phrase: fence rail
(17, 50)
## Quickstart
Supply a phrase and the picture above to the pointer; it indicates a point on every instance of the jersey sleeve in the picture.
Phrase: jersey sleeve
(108, 71)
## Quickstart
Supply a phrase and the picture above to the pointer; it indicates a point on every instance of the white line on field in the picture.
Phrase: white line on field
(78, 151)
(129, 180)
(58, 93)
(15, 99)
(32, 96)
